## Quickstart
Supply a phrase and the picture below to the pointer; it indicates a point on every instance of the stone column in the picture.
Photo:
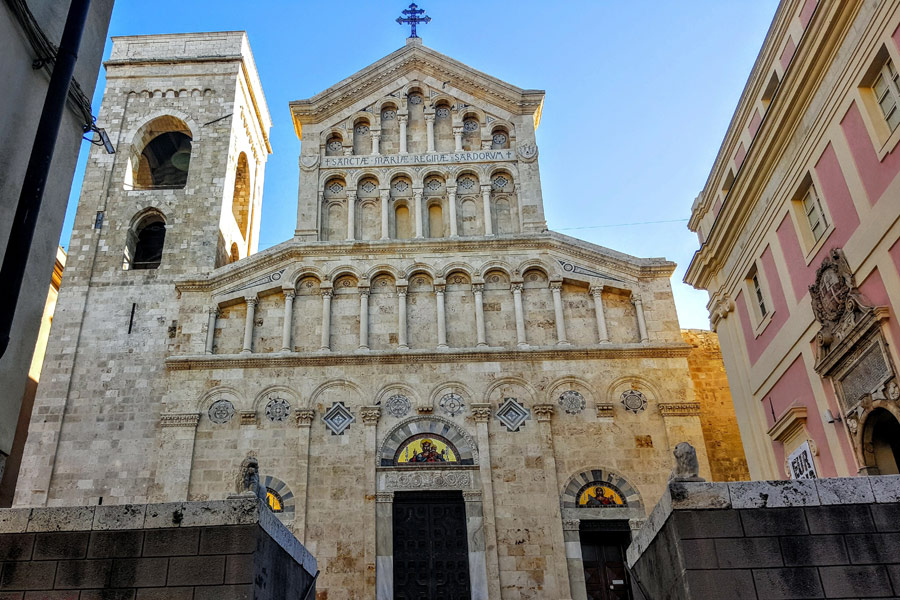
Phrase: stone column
(288, 320)
(351, 214)
(402, 343)
(211, 329)
(403, 119)
(326, 320)
(556, 289)
(174, 456)
(478, 290)
(543, 413)
(429, 124)
(642, 324)
(417, 195)
(370, 415)
(486, 203)
(602, 334)
(304, 422)
(457, 138)
(376, 138)
(363, 317)
(248, 324)
(474, 500)
(482, 415)
(441, 317)
(385, 212)
(521, 341)
(451, 205)
(574, 562)
(384, 546)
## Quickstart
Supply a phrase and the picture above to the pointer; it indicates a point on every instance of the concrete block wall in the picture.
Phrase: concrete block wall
(229, 550)
(826, 538)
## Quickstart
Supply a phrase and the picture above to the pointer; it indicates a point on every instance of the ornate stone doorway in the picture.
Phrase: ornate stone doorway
(431, 554)
(881, 439)
(603, 546)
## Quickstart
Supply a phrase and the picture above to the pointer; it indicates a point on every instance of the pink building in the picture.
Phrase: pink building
(798, 227)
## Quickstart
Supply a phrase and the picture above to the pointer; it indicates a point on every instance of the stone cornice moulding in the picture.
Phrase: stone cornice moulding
(766, 149)
(294, 250)
(291, 359)
(679, 409)
(370, 80)
(789, 424)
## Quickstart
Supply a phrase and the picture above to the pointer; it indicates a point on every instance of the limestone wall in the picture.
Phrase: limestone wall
(720, 428)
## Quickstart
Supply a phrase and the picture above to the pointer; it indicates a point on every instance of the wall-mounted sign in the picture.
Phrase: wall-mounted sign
(801, 462)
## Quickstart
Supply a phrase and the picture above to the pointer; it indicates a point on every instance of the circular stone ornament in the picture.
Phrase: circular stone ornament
(221, 411)
(452, 404)
(398, 405)
(572, 402)
(634, 401)
(278, 409)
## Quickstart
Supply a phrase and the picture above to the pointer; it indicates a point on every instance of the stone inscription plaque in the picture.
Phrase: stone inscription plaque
(433, 158)
(868, 373)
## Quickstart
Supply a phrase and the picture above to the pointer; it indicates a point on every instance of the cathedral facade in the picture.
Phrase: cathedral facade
(445, 399)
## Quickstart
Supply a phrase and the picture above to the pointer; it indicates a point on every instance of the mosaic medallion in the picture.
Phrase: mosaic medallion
(634, 401)
(467, 183)
(415, 99)
(572, 402)
(512, 414)
(368, 186)
(361, 129)
(500, 182)
(452, 404)
(401, 186)
(500, 139)
(398, 405)
(221, 411)
(443, 112)
(338, 418)
(433, 184)
(470, 125)
(335, 146)
(278, 409)
(388, 115)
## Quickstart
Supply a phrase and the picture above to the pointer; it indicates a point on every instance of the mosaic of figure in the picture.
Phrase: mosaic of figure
(599, 495)
(426, 450)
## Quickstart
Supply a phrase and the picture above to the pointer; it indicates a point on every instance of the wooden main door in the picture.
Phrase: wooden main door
(431, 554)
(603, 554)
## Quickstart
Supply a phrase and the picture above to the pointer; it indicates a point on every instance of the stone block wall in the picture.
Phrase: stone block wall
(720, 428)
(228, 550)
(825, 538)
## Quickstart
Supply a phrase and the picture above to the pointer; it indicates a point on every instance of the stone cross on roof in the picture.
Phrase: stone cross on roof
(413, 18)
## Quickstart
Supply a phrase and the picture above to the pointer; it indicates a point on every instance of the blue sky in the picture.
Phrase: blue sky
(639, 96)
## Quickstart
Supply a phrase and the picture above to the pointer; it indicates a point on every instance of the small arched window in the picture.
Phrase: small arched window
(240, 203)
(235, 253)
(144, 245)
(164, 162)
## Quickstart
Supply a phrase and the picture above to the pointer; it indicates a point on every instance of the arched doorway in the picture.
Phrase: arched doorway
(882, 441)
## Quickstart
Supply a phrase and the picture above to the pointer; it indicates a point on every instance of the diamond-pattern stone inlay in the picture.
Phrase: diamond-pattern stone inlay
(634, 401)
(512, 414)
(338, 418)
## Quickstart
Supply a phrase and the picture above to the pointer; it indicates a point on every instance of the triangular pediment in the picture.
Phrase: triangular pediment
(415, 61)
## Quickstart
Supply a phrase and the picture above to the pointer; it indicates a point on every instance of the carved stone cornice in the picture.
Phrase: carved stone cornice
(481, 412)
(384, 496)
(543, 412)
(472, 495)
(304, 416)
(423, 478)
(281, 359)
(789, 424)
(679, 409)
(179, 419)
(370, 414)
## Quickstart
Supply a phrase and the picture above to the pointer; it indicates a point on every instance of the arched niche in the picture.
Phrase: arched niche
(881, 442)
(240, 200)
(579, 499)
(145, 241)
(424, 426)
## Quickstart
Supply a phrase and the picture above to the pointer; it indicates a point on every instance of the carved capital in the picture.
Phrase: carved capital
(451, 191)
(289, 293)
(482, 412)
(486, 188)
(636, 299)
(478, 287)
(248, 417)
(571, 524)
(429, 117)
(351, 194)
(543, 412)
(596, 290)
(402, 118)
(516, 288)
(384, 496)
(556, 286)
(304, 416)
(458, 130)
(370, 414)
(214, 311)
(251, 300)
(327, 293)
(472, 495)
(179, 420)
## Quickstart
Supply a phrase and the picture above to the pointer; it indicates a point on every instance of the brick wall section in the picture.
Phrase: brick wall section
(234, 555)
(827, 538)
(720, 428)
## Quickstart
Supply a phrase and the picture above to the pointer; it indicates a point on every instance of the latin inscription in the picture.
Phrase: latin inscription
(417, 159)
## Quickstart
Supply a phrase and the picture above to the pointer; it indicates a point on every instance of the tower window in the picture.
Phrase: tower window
(165, 161)
(144, 246)
(812, 208)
